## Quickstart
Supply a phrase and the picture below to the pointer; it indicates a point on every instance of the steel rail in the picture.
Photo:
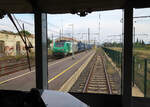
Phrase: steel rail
(89, 77)
(12, 65)
(16, 67)
(107, 77)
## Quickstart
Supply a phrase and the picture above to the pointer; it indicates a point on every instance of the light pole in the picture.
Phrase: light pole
(72, 41)
(99, 27)
(133, 36)
(134, 26)
(60, 34)
(88, 35)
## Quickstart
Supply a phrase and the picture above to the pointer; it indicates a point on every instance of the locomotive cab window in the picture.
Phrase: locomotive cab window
(89, 49)
(59, 44)
(17, 52)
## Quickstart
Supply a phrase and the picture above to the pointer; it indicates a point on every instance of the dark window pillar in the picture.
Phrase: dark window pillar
(41, 50)
(127, 57)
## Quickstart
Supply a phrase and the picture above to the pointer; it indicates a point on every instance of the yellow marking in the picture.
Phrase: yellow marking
(69, 83)
(15, 77)
(66, 69)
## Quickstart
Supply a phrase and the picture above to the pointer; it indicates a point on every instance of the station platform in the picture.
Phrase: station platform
(137, 92)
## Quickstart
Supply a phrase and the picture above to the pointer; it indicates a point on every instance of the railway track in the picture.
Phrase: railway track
(95, 78)
(17, 66)
(98, 79)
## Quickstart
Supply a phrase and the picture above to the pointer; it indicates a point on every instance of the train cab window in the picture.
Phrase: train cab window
(89, 57)
(67, 45)
(93, 49)
(59, 44)
(17, 70)
(141, 50)
(18, 48)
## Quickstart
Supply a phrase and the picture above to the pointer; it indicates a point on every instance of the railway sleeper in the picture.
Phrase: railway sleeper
(104, 85)
(99, 82)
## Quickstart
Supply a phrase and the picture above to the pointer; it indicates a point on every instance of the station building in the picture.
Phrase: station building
(11, 44)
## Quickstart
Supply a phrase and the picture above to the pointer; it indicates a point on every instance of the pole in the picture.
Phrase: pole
(89, 35)
(134, 36)
(52, 37)
(133, 71)
(62, 31)
(127, 57)
(73, 43)
(60, 34)
(52, 42)
(41, 50)
(99, 26)
(145, 77)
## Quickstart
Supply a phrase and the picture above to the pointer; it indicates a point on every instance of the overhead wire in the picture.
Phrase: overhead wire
(23, 37)
(27, 49)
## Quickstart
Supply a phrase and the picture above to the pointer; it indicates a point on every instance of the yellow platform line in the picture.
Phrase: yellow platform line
(30, 72)
(15, 77)
(69, 83)
(67, 69)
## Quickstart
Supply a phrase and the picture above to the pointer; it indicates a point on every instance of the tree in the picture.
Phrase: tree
(7, 32)
(137, 41)
(27, 33)
(143, 42)
(49, 42)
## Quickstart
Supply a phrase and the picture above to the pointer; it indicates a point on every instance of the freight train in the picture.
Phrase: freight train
(64, 48)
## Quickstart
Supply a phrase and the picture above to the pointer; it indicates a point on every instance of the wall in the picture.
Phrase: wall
(10, 44)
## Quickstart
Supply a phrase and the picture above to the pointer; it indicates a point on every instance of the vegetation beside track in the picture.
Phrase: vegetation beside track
(141, 66)
(139, 52)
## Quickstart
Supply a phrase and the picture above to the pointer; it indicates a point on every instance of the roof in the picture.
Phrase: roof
(66, 38)
(68, 6)
(13, 34)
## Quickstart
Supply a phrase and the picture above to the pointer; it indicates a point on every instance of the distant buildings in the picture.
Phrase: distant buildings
(11, 44)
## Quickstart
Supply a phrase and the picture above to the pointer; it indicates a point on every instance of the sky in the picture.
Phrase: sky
(110, 25)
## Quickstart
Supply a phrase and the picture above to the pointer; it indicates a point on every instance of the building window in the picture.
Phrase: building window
(18, 48)
(2, 45)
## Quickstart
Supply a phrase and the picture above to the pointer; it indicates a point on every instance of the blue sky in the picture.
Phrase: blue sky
(109, 24)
